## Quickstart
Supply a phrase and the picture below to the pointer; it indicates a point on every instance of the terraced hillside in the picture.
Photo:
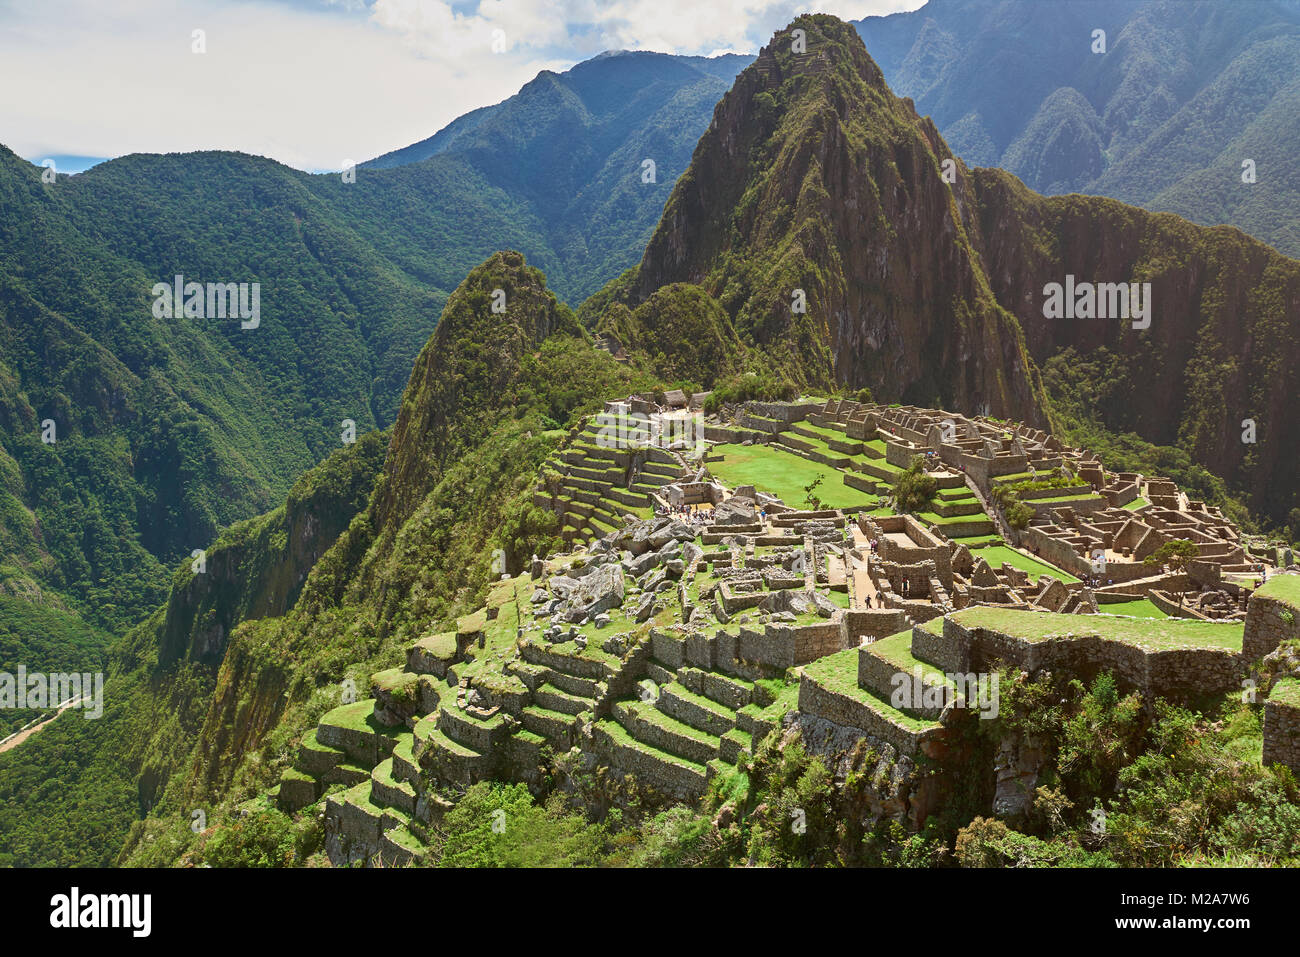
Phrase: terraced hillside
(665, 644)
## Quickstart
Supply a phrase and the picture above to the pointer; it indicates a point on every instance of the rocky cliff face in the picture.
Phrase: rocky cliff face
(257, 568)
(1221, 347)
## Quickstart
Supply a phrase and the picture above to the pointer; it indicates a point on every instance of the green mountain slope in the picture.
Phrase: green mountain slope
(169, 429)
(564, 157)
(206, 696)
(1186, 90)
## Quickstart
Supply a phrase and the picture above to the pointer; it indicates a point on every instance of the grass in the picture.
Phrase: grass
(1145, 633)
(977, 541)
(838, 434)
(1139, 608)
(1287, 692)
(839, 673)
(1283, 588)
(897, 650)
(358, 716)
(784, 475)
(934, 518)
(1136, 504)
(620, 735)
(996, 555)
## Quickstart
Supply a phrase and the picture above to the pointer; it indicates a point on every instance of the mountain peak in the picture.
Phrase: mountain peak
(812, 205)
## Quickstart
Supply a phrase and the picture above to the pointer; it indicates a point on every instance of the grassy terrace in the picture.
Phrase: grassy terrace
(1136, 504)
(784, 475)
(821, 430)
(839, 673)
(995, 555)
(977, 541)
(897, 650)
(820, 445)
(934, 518)
(1139, 608)
(358, 716)
(1013, 478)
(1283, 588)
(512, 599)
(620, 735)
(785, 697)
(1147, 634)
(1287, 692)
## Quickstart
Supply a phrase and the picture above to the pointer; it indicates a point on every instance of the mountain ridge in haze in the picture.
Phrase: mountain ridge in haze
(1185, 92)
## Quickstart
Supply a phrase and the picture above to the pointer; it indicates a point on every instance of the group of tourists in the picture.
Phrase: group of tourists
(687, 513)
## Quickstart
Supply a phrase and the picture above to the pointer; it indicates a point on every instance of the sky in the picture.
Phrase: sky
(317, 84)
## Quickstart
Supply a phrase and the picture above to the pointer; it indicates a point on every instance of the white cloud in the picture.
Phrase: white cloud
(314, 84)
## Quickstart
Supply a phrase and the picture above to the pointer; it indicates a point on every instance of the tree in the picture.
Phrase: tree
(1177, 554)
(1019, 515)
(810, 498)
(915, 489)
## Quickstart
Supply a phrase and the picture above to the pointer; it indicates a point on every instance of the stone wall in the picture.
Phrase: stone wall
(784, 411)
(678, 780)
(1282, 734)
(842, 709)
(1176, 672)
(874, 622)
(785, 646)
(1169, 605)
(1269, 622)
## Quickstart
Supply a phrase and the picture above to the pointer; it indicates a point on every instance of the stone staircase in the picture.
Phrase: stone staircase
(599, 481)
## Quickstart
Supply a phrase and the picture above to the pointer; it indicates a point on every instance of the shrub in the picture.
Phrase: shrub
(915, 489)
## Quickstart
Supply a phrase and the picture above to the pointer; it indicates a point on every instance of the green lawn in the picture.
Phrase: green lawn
(995, 555)
(840, 598)
(1139, 608)
(897, 650)
(1146, 633)
(784, 475)
(1283, 588)
(1286, 691)
(976, 541)
(1136, 504)
(825, 433)
(839, 673)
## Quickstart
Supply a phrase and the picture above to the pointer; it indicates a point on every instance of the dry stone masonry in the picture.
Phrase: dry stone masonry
(690, 618)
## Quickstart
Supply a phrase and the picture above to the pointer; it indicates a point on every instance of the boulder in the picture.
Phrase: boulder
(643, 563)
(672, 530)
(824, 606)
(671, 549)
(793, 602)
(597, 592)
(735, 512)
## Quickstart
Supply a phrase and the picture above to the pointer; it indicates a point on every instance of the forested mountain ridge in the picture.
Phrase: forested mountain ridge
(170, 429)
(208, 695)
(565, 157)
(1184, 92)
(813, 176)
